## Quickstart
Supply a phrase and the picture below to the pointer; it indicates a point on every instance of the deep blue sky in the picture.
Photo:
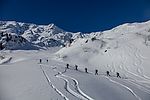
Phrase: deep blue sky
(76, 15)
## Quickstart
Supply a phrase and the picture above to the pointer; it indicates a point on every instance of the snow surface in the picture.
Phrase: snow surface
(24, 78)
(124, 49)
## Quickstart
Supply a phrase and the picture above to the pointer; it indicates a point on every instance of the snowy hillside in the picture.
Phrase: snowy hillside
(124, 49)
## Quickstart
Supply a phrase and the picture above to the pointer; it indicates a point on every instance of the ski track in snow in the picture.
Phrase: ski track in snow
(78, 88)
(126, 87)
(69, 89)
(131, 73)
(140, 58)
(139, 86)
(144, 84)
(137, 61)
(52, 86)
(137, 65)
(80, 94)
(136, 75)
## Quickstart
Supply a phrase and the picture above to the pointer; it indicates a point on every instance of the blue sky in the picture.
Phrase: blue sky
(76, 15)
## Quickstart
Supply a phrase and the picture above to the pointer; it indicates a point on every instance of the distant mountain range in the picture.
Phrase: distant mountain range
(17, 35)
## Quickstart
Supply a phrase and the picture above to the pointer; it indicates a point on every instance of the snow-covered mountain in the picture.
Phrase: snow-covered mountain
(37, 35)
(52, 36)
(124, 49)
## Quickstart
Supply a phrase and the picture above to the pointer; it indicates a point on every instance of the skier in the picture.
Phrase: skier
(118, 75)
(40, 60)
(76, 67)
(86, 70)
(96, 72)
(47, 60)
(107, 72)
(67, 66)
(86, 41)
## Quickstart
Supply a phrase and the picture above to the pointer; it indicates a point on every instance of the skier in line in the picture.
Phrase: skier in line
(67, 66)
(118, 75)
(40, 60)
(76, 67)
(86, 70)
(96, 72)
(107, 72)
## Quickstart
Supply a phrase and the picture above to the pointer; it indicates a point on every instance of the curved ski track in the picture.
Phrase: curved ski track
(126, 87)
(52, 86)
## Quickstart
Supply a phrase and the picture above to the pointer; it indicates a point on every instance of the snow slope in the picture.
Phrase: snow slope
(124, 49)
(24, 78)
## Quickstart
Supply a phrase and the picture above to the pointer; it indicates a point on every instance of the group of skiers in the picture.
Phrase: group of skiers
(96, 71)
(86, 70)
(41, 60)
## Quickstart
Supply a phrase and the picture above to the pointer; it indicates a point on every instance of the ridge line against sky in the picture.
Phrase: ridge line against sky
(76, 15)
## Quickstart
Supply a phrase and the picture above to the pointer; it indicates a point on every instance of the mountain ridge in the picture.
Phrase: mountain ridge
(38, 35)
(52, 36)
